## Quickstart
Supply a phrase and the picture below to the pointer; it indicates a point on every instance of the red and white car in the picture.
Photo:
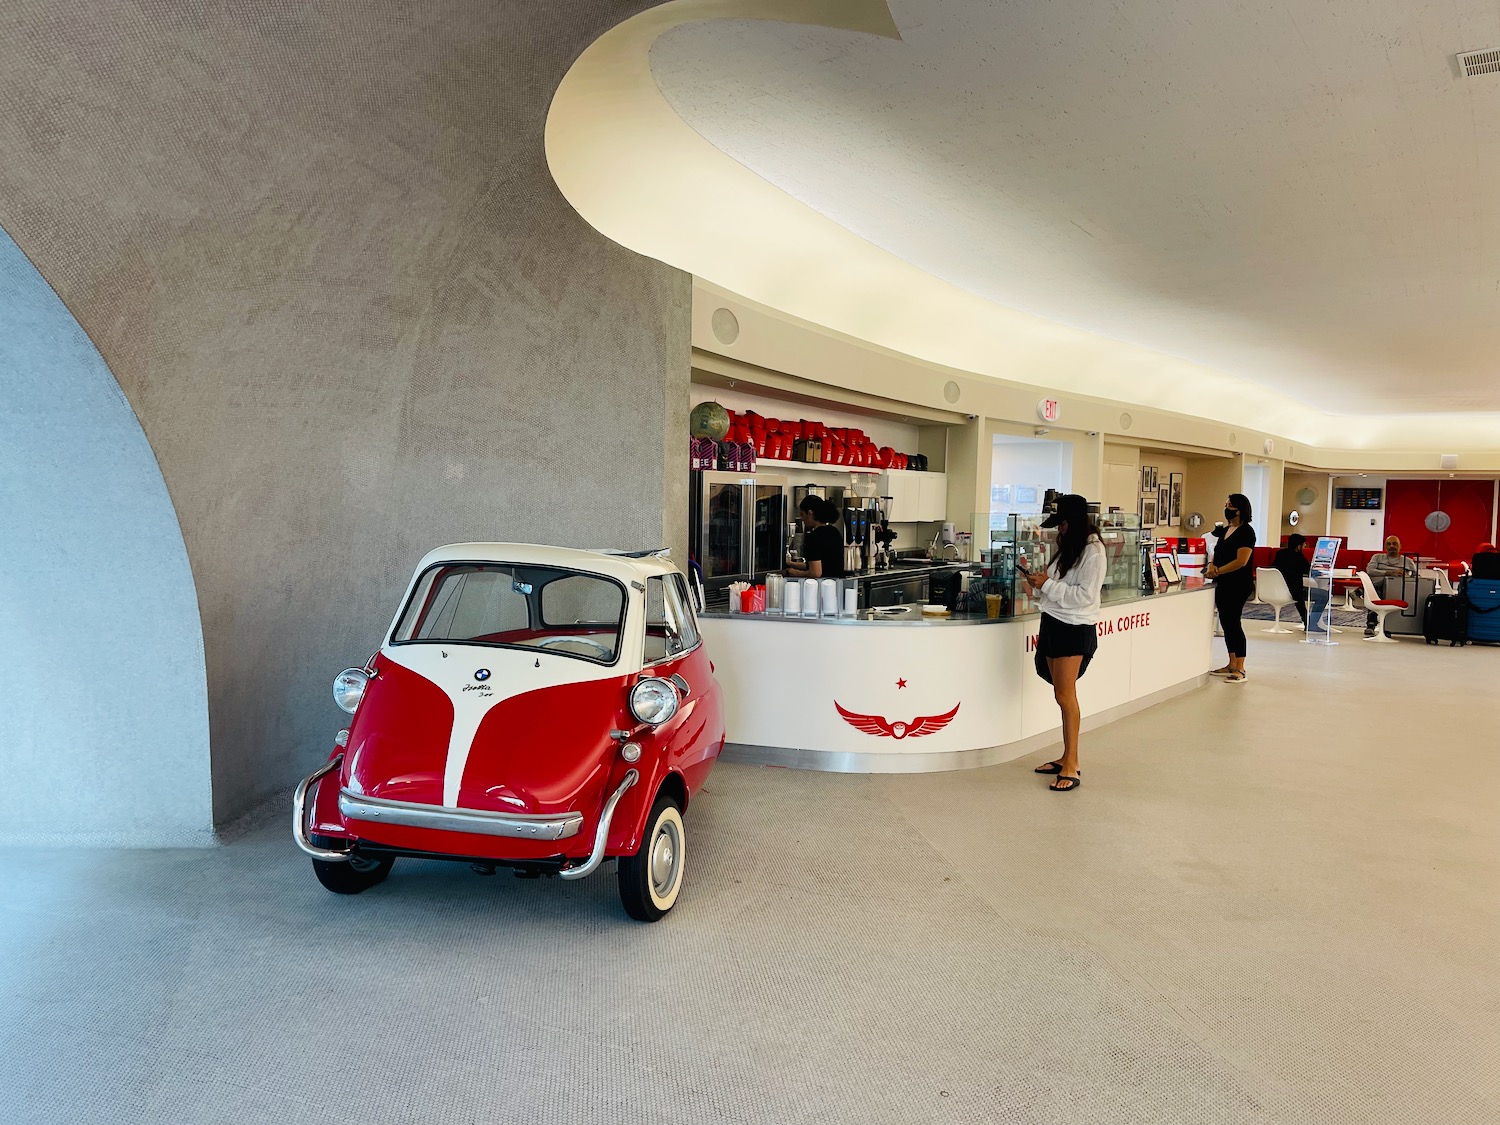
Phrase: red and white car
(532, 707)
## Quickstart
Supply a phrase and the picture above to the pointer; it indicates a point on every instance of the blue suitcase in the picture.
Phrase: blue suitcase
(1484, 608)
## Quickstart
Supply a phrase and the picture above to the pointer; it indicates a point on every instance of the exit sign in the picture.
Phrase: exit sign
(1048, 410)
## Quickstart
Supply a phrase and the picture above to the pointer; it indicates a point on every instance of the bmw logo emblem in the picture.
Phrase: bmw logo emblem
(482, 675)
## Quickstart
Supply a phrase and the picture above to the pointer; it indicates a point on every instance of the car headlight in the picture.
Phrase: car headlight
(653, 701)
(349, 688)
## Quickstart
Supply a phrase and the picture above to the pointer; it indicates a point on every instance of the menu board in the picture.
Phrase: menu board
(1325, 554)
(1367, 498)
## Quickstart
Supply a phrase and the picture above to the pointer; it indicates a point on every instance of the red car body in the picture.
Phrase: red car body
(505, 747)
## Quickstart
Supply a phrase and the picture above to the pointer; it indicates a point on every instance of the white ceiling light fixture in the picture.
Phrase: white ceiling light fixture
(1475, 63)
(1448, 461)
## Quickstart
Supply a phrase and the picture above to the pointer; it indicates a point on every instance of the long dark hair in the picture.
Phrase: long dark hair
(1070, 543)
(822, 510)
(1241, 504)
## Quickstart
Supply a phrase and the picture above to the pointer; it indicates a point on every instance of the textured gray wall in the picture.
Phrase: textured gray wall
(104, 710)
(319, 248)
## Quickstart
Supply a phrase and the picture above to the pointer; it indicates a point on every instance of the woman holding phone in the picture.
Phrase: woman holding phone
(1068, 593)
(1233, 572)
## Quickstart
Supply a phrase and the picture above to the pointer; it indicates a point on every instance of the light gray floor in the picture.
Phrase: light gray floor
(1268, 903)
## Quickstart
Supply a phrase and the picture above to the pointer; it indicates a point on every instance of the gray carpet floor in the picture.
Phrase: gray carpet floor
(1274, 902)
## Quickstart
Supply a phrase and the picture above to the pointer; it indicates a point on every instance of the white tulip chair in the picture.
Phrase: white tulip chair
(1271, 589)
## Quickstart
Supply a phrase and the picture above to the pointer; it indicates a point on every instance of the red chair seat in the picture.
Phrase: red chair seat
(1390, 601)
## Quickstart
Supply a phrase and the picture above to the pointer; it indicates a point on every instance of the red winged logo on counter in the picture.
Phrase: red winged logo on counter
(881, 728)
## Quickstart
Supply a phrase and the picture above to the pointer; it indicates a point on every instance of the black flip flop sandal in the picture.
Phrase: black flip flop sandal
(1049, 767)
(1077, 781)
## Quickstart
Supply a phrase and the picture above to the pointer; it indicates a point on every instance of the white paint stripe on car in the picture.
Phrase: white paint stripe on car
(513, 672)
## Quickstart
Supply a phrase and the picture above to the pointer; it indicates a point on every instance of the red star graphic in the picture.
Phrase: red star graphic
(900, 683)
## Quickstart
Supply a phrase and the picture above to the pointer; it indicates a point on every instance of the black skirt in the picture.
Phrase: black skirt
(1055, 639)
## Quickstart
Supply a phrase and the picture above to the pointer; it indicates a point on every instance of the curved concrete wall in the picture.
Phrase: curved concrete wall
(319, 247)
(104, 712)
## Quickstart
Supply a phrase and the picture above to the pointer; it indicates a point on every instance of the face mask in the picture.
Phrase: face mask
(1230, 513)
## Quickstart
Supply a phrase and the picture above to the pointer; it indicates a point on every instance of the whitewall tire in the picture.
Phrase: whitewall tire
(651, 880)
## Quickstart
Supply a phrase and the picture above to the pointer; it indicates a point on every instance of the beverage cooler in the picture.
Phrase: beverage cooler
(737, 525)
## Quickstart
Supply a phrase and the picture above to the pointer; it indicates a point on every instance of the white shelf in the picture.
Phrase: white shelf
(842, 470)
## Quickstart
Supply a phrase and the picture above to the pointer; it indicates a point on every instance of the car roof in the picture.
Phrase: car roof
(618, 566)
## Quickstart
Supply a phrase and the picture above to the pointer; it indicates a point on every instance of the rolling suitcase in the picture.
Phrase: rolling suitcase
(1484, 608)
(1446, 618)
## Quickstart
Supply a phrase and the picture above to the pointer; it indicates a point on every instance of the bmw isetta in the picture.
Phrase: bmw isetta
(532, 707)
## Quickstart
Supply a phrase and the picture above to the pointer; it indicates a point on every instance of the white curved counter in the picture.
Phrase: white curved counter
(911, 694)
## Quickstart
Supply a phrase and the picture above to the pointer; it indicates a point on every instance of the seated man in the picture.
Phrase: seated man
(1294, 568)
(1389, 565)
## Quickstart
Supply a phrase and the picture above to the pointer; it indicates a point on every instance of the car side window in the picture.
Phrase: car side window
(656, 621)
(670, 629)
(687, 623)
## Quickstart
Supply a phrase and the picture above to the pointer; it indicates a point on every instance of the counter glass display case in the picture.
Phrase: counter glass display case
(1001, 541)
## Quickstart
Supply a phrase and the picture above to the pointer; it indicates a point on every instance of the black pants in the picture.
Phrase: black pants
(1231, 603)
(1301, 604)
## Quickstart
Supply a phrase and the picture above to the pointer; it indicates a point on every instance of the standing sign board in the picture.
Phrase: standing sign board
(1320, 592)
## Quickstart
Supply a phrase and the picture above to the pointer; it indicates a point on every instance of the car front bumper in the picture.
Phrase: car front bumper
(410, 814)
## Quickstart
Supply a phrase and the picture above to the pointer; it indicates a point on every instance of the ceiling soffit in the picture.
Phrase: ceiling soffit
(841, 190)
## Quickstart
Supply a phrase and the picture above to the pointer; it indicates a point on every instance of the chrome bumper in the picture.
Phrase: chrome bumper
(601, 834)
(299, 815)
(410, 814)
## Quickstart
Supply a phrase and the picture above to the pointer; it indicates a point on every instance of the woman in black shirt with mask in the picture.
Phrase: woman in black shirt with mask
(1234, 581)
(822, 543)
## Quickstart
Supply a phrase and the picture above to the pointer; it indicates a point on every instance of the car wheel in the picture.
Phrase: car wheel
(651, 879)
(352, 875)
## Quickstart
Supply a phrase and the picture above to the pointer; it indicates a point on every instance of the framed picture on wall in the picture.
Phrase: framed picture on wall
(1025, 494)
(1148, 511)
(1164, 505)
(1148, 481)
(1176, 497)
(1002, 495)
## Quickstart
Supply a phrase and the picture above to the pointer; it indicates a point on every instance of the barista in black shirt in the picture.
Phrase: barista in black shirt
(823, 542)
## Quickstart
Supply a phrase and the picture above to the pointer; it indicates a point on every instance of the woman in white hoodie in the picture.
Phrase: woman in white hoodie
(1068, 594)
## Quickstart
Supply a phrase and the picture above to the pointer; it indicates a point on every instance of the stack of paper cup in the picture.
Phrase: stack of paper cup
(829, 597)
(851, 600)
(809, 597)
(791, 601)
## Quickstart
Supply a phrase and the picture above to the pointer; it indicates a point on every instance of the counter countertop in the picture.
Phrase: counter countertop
(910, 615)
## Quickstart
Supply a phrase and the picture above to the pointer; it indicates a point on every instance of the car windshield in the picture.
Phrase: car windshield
(567, 612)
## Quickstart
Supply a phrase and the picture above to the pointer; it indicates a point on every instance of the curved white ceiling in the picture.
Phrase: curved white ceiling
(635, 169)
(1303, 195)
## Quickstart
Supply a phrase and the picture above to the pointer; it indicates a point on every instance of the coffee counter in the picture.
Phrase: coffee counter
(898, 693)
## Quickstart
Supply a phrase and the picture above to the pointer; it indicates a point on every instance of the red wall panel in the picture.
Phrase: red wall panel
(1469, 503)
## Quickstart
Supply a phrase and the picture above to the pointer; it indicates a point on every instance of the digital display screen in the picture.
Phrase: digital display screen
(1362, 498)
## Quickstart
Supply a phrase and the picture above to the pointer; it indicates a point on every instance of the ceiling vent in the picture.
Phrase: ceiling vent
(1475, 63)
